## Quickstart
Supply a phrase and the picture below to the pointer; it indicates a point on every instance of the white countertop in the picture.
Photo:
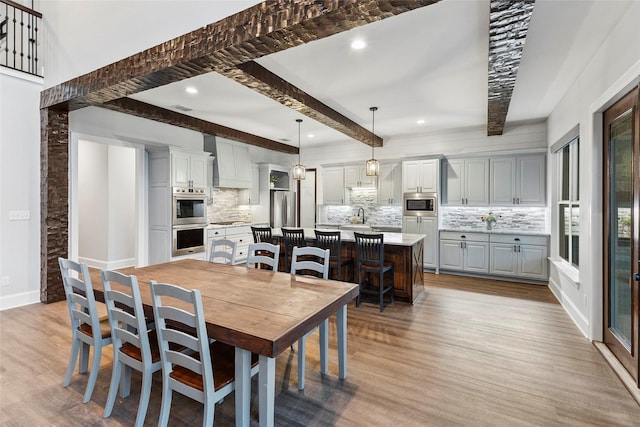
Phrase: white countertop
(495, 231)
(398, 239)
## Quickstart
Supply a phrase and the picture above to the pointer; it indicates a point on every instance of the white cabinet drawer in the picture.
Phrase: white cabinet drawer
(216, 233)
(519, 239)
(458, 235)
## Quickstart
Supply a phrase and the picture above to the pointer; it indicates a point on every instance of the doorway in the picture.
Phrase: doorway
(621, 126)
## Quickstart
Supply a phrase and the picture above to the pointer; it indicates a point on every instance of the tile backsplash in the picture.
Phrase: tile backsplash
(367, 199)
(223, 206)
(508, 218)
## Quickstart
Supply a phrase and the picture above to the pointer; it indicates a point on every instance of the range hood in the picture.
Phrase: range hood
(231, 166)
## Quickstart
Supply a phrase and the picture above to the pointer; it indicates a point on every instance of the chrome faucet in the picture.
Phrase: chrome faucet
(361, 209)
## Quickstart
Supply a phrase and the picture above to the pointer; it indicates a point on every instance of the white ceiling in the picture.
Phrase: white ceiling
(428, 64)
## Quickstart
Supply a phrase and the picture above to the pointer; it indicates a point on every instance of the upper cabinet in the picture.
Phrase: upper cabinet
(356, 176)
(466, 182)
(420, 176)
(390, 184)
(334, 193)
(251, 196)
(231, 162)
(188, 169)
(518, 180)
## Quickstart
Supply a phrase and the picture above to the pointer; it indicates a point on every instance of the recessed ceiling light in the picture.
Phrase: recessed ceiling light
(191, 89)
(420, 122)
(310, 135)
(358, 44)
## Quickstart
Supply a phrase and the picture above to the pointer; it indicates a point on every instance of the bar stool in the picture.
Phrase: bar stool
(331, 240)
(262, 234)
(292, 237)
(370, 259)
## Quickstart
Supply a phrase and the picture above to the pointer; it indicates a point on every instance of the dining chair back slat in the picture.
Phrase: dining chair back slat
(370, 261)
(332, 240)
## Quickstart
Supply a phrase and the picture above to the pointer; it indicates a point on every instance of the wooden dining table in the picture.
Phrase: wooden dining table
(256, 311)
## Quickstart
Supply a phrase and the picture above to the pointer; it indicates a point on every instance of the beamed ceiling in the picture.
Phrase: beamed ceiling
(454, 64)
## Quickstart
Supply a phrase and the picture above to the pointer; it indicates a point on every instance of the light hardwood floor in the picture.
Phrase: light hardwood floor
(470, 352)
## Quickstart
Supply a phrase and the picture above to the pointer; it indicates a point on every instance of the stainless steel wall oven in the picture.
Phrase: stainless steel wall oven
(189, 206)
(188, 239)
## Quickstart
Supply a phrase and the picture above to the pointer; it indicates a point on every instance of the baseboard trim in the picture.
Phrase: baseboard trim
(18, 300)
(620, 371)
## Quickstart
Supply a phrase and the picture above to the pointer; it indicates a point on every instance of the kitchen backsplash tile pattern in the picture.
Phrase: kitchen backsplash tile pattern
(516, 218)
(223, 206)
(361, 198)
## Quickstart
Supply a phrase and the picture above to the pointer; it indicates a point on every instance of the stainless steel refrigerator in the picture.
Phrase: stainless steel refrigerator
(283, 209)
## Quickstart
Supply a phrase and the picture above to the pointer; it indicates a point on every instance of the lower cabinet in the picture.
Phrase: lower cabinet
(429, 227)
(464, 251)
(520, 256)
(240, 234)
(496, 254)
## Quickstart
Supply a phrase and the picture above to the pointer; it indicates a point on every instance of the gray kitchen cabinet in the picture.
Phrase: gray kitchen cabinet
(429, 227)
(334, 193)
(518, 181)
(188, 169)
(519, 256)
(356, 176)
(251, 196)
(467, 252)
(466, 182)
(420, 176)
(390, 184)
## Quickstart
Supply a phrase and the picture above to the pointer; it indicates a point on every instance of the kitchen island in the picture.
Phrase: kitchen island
(404, 251)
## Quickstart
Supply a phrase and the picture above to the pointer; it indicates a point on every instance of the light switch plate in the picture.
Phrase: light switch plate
(19, 215)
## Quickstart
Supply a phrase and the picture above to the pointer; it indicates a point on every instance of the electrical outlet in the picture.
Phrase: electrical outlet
(4, 281)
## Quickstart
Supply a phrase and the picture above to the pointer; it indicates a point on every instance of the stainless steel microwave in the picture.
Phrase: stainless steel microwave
(420, 204)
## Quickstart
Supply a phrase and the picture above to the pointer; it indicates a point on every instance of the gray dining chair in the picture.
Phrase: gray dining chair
(87, 330)
(311, 260)
(223, 251)
(133, 346)
(204, 371)
(263, 254)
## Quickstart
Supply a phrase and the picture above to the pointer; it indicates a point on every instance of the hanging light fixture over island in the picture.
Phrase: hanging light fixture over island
(373, 166)
(299, 171)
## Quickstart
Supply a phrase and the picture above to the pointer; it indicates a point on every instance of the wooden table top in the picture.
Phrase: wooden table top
(258, 310)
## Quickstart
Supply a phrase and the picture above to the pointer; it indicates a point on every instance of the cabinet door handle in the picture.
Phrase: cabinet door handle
(518, 248)
(518, 200)
(513, 200)
(515, 248)
(461, 245)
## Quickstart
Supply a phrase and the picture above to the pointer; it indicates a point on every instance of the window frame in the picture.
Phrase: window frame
(569, 250)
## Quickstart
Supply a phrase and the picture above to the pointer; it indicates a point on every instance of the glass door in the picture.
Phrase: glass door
(621, 228)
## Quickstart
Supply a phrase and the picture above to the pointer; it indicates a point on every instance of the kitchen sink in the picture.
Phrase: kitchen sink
(355, 227)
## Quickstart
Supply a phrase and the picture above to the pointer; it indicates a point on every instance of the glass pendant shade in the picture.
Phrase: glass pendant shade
(373, 166)
(299, 171)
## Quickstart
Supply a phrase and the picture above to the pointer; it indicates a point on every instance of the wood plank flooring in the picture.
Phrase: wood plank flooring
(470, 352)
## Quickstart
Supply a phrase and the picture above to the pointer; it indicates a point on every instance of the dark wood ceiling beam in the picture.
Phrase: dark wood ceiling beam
(508, 26)
(258, 78)
(152, 112)
(263, 29)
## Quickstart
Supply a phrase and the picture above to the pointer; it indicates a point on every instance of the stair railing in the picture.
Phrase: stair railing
(19, 42)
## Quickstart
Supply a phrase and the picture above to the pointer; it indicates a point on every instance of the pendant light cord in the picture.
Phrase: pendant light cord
(299, 121)
(373, 128)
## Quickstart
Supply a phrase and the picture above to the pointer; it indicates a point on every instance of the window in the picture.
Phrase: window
(569, 201)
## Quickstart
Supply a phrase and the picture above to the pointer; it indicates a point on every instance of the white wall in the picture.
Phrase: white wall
(612, 71)
(19, 188)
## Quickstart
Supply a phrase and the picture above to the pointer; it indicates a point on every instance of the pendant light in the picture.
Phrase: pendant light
(373, 166)
(299, 171)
